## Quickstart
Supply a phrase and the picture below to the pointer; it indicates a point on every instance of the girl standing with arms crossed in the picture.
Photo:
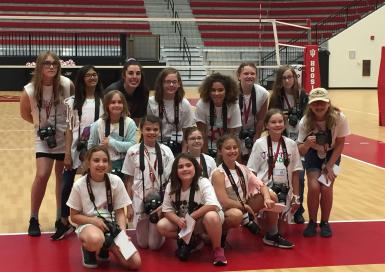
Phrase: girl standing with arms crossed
(321, 139)
(97, 202)
(276, 161)
(147, 166)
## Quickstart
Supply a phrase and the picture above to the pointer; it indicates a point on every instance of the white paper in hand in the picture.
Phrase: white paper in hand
(187, 231)
(125, 245)
(322, 179)
(277, 208)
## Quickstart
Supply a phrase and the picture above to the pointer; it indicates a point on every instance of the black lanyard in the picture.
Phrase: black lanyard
(213, 116)
(204, 166)
(142, 166)
(162, 110)
(108, 127)
(232, 182)
(252, 103)
(191, 204)
(47, 118)
(272, 159)
(107, 183)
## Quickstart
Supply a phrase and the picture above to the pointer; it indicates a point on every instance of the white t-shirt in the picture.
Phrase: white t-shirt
(79, 198)
(205, 195)
(202, 114)
(261, 95)
(131, 167)
(88, 117)
(186, 117)
(341, 129)
(253, 184)
(210, 163)
(46, 115)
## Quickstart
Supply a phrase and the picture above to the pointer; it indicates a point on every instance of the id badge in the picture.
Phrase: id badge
(174, 134)
(279, 175)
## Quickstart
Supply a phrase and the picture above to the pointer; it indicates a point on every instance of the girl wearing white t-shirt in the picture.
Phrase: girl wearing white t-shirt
(321, 139)
(242, 195)
(114, 129)
(97, 202)
(276, 161)
(217, 111)
(147, 166)
(190, 202)
(170, 105)
(42, 104)
(194, 139)
(253, 101)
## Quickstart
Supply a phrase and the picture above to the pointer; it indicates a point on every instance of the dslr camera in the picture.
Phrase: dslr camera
(281, 191)
(82, 148)
(152, 202)
(323, 137)
(294, 115)
(247, 134)
(111, 233)
(212, 152)
(175, 147)
(48, 134)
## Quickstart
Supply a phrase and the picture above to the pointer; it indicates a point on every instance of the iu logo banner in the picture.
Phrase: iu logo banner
(381, 89)
(311, 74)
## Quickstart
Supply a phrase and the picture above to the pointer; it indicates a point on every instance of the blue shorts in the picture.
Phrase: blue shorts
(314, 163)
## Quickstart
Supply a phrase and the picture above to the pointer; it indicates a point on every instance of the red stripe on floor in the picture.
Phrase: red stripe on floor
(352, 244)
(365, 149)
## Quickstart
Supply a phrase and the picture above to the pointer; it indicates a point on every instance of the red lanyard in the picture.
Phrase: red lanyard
(287, 101)
(48, 107)
(152, 174)
(270, 154)
(246, 112)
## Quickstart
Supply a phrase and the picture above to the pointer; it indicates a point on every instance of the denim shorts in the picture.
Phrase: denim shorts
(314, 163)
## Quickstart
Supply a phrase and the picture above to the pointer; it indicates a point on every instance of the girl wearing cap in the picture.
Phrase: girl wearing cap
(321, 139)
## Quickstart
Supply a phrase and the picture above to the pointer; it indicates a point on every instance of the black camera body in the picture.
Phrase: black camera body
(175, 147)
(281, 190)
(111, 233)
(212, 152)
(82, 148)
(323, 137)
(48, 134)
(152, 202)
(247, 134)
(294, 115)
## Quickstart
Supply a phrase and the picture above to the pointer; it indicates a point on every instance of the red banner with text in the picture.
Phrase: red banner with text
(381, 89)
(311, 74)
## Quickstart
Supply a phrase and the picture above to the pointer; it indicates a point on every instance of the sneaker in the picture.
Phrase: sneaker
(89, 258)
(62, 230)
(253, 227)
(219, 258)
(277, 240)
(34, 227)
(325, 229)
(311, 229)
(103, 254)
(183, 250)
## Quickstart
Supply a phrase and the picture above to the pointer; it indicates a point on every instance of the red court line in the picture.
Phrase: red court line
(352, 244)
(365, 149)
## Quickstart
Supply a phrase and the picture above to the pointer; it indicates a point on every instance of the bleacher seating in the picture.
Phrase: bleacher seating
(305, 13)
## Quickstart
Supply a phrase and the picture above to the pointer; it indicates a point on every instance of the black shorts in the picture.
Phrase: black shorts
(56, 156)
(314, 163)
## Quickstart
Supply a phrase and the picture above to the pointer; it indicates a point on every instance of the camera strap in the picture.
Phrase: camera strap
(47, 118)
(108, 127)
(108, 194)
(162, 112)
(252, 104)
(204, 166)
(142, 154)
(242, 181)
(272, 158)
(191, 206)
(96, 116)
(213, 117)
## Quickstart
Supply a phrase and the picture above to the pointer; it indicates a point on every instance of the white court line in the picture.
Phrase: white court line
(364, 162)
(363, 112)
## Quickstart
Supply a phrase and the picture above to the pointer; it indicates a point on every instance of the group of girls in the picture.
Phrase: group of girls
(230, 118)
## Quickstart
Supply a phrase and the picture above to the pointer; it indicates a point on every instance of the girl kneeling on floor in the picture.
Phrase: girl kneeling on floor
(190, 201)
(97, 224)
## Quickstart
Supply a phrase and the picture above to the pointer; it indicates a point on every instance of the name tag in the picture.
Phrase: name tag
(174, 134)
(279, 175)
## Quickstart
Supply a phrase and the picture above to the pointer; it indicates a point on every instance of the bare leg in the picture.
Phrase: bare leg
(59, 165)
(213, 227)
(326, 202)
(313, 194)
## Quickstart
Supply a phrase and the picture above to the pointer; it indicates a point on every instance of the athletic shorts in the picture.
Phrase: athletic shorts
(56, 156)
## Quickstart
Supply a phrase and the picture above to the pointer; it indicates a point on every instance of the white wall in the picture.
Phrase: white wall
(347, 73)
